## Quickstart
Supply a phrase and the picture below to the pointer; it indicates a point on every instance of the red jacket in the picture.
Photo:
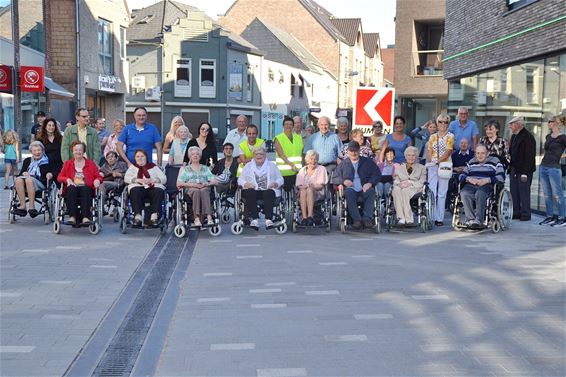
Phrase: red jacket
(90, 172)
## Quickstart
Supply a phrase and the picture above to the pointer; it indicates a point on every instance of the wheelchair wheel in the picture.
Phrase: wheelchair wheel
(342, 226)
(123, 225)
(495, 225)
(294, 225)
(115, 214)
(281, 228)
(225, 217)
(237, 228)
(46, 216)
(215, 230)
(504, 209)
(94, 228)
(180, 231)
(57, 227)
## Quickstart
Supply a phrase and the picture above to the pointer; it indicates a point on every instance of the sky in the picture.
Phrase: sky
(377, 15)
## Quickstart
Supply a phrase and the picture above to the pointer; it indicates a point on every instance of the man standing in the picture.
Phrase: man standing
(139, 135)
(298, 128)
(237, 135)
(36, 127)
(522, 149)
(463, 128)
(82, 132)
(103, 135)
(326, 143)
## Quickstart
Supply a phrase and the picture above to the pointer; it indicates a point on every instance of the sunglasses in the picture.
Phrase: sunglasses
(205, 129)
(442, 121)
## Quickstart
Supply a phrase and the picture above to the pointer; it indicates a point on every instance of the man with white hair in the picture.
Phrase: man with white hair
(326, 143)
(522, 149)
(463, 128)
(237, 135)
(480, 174)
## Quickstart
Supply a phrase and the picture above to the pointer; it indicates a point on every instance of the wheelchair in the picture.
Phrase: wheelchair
(113, 202)
(96, 210)
(322, 213)
(344, 219)
(498, 210)
(126, 215)
(45, 198)
(240, 220)
(227, 203)
(422, 204)
(184, 214)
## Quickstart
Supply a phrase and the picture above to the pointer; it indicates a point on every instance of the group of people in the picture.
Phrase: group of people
(85, 159)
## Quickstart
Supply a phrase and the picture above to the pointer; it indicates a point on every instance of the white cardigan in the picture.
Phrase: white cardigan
(155, 173)
(273, 175)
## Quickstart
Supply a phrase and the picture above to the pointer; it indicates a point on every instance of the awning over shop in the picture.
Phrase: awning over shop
(55, 88)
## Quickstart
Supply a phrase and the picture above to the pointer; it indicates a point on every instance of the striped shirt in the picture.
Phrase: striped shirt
(491, 168)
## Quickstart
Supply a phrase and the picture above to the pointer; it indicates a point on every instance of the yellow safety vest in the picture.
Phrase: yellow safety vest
(248, 152)
(293, 151)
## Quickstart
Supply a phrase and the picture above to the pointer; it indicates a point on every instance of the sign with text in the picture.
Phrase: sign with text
(32, 79)
(107, 83)
(5, 79)
(373, 104)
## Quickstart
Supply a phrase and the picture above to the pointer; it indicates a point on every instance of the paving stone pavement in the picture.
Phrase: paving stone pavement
(404, 303)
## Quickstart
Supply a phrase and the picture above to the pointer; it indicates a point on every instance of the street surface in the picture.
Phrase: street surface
(261, 304)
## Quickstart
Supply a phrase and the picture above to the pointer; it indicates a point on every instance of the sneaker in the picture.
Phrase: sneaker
(268, 224)
(254, 224)
(560, 222)
(72, 220)
(137, 219)
(154, 218)
(438, 223)
(401, 221)
(6, 188)
(86, 221)
(197, 222)
(548, 221)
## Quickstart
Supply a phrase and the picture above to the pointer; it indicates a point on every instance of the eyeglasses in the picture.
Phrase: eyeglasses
(443, 121)
(84, 116)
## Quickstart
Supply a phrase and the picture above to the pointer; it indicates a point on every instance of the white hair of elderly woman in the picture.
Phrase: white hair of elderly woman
(195, 149)
(412, 149)
(37, 143)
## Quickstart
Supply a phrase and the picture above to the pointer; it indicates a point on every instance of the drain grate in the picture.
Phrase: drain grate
(122, 352)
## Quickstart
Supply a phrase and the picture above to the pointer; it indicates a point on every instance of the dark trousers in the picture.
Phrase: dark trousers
(352, 203)
(155, 195)
(521, 194)
(79, 195)
(251, 197)
(289, 182)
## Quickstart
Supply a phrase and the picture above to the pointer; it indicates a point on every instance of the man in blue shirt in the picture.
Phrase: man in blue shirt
(139, 135)
(325, 143)
(463, 128)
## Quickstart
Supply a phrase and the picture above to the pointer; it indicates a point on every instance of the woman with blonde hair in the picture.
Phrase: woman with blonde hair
(113, 139)
(11, 156)
(176, 122)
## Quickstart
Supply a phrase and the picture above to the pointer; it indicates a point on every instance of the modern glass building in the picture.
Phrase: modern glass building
(511, 63)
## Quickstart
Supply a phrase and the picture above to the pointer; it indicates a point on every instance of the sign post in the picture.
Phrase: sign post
(374, 104)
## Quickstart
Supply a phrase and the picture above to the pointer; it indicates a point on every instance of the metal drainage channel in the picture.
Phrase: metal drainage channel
(121, 353)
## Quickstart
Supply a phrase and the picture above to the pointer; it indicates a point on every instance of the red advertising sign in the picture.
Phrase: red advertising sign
(374, 104)
(5, 79)
(32, 79)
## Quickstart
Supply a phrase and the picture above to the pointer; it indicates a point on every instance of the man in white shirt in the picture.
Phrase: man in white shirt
(237, 135)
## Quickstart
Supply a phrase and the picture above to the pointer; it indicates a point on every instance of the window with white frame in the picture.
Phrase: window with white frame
(207, 78)
(105, 45)
(183, 82)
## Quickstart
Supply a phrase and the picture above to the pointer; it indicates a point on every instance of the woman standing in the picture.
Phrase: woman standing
(207, 144)
(81, 178)
(496, 145)
(176, 122)
(51, 138)
(551, 174)
(378, 138)
(365, 146)
(440, 147)
(397, 140)
(113, 139)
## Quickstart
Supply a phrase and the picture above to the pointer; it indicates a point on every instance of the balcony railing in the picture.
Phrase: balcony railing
(428, 63)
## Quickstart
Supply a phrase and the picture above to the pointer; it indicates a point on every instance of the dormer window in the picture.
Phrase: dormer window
(146, 19)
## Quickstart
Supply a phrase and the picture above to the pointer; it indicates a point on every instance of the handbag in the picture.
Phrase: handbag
(445, 170)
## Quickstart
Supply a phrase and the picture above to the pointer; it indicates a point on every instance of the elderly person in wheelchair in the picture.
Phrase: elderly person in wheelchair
(409, 179)
(358, 176)
(81, 178)
(310, 183)
(196, 179)
(34, 176)
(478, 179)
(145, 181)
(260, 180)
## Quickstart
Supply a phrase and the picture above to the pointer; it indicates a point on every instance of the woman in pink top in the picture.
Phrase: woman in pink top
(310, 185)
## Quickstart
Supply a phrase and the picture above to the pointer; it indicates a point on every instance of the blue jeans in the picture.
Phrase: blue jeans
(368, 198)
(551, 180)
(479, 194)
